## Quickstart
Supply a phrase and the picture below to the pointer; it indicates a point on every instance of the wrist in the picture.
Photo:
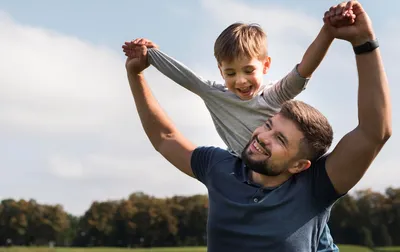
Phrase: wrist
(326, 33)
(360, 40)
(136, 77)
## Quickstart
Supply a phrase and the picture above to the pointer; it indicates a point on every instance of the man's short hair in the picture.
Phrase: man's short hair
(318, 133)
(241, 40)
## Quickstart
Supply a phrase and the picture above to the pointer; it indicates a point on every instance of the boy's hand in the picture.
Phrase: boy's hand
(136, 51)
(144, 42)
(137, 57)
(340, 15)
(357, 33)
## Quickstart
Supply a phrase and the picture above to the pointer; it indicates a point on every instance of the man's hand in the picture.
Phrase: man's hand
(136, 51)
(144, 42)
(340, 16)
(357, 33)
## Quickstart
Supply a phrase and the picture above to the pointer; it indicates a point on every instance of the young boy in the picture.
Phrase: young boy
(243, 102)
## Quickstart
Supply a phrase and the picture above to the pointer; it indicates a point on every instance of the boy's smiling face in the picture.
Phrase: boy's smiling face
(243, 76)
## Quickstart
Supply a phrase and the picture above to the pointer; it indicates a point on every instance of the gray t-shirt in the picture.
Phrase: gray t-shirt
(234, 119)
(244, 216)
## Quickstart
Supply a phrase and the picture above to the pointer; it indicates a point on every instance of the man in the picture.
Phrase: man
(278, 197)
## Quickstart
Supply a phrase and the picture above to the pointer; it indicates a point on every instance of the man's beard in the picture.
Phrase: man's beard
(259, 166)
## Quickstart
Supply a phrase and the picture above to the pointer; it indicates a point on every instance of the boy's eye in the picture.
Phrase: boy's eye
(249, 71)
(229, 74)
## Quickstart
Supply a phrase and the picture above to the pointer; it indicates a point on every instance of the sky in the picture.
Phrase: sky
(69, 130)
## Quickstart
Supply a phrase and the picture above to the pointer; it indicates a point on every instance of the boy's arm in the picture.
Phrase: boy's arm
(295, 82)
(178, 72)
(292, 84)
(342, 16)
(315, 53)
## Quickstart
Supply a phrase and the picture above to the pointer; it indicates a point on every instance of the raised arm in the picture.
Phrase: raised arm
(292, 84)
(163, 134)
(316, 52)
(355, 151)
(175, 70)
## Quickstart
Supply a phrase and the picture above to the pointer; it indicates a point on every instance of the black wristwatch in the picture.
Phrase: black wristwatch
(368, 46)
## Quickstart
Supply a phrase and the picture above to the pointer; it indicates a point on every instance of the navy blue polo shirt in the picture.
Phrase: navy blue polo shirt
(244, 216)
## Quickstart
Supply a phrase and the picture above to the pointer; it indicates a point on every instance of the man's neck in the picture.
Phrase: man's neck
(269, 181)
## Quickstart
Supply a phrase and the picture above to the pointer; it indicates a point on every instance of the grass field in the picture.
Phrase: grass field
(343, 248)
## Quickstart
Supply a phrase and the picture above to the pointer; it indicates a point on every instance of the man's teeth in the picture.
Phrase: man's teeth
(255, 146)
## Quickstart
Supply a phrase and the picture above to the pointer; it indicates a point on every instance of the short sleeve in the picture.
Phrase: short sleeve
(204, 159)
(322, 186)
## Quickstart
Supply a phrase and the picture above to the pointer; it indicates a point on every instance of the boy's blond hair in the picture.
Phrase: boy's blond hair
(240, 39)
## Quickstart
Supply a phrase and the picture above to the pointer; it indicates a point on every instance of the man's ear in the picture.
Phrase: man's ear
(299, 166)
(266, 65)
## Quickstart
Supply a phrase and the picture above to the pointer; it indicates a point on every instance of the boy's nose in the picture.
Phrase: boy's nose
(241, 80)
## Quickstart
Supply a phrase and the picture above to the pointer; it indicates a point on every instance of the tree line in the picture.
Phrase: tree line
(364, 218)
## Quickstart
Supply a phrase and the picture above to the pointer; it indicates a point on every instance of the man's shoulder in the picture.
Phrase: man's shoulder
(214, 153)
(210, 156)
(207, 160)
(317, 167)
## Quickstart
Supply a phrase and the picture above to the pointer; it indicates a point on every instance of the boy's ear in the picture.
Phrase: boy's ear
(267, 64)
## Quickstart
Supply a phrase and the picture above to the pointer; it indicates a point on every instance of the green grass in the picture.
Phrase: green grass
(393, 249)
(351, 248)
(343, 248)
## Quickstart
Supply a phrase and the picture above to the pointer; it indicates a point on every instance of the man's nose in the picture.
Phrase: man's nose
(264, 139)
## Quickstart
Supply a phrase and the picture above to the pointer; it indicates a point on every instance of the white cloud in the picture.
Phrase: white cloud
(52, 82)
(67, 102)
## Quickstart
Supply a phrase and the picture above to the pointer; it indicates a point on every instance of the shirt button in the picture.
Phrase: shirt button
(255, 200)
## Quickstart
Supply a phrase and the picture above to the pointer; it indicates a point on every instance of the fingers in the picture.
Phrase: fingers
(337, 10)
(341, 14)
(144, 42)
(326, 18)
(142, 51)
(340, 21)
(135, 51)
(151, 45)
(137, 47)
(356, 7)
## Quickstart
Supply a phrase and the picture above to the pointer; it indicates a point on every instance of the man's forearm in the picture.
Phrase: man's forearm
(154, 121)
(374, 108)
(315, 53)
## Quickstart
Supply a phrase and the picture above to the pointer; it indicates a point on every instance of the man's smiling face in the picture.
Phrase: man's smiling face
(274, 147)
